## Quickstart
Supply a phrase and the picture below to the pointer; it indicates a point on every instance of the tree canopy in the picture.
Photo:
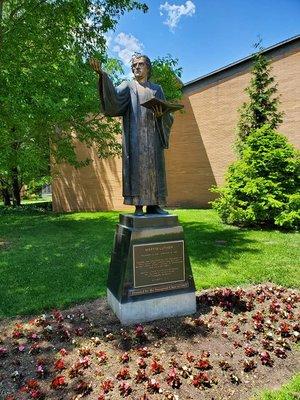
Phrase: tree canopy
(47, 87)
(167, 73)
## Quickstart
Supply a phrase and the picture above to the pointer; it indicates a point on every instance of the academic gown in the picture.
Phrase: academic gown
(144, 139)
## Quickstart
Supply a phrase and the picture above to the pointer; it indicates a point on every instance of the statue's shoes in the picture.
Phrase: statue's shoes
(156, 210)
(139, 213)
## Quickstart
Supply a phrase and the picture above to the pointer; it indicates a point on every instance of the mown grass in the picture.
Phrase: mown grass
(52, 260)
(290, 391)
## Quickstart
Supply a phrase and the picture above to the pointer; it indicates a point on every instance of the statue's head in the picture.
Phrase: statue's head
(141, 66)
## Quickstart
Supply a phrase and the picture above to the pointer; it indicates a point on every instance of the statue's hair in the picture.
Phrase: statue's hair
(147, 60)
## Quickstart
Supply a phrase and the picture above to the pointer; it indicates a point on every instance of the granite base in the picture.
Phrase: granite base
(151, 309)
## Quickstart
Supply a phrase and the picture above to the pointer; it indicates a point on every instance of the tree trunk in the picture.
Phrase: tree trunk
(6, 196)
(16, 187)
(1, 17)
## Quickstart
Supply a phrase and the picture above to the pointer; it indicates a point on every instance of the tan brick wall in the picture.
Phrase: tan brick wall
(95, 187)
(202, 138)
(200, 148)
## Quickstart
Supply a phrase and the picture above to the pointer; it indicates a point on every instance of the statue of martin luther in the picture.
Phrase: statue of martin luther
(145, 134)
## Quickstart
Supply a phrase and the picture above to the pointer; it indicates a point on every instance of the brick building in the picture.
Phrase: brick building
(201, 145)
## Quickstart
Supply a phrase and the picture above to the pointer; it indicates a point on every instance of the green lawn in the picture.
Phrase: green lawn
(290, 391)
(50, 260)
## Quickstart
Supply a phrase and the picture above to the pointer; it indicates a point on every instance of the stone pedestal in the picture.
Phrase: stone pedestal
(150, 275)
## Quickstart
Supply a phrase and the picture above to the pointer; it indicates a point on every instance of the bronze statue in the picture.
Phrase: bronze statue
(145, 134)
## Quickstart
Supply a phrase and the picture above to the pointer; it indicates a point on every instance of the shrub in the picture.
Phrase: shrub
(262, 187)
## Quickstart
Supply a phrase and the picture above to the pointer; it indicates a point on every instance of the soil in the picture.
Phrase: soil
(239, 342)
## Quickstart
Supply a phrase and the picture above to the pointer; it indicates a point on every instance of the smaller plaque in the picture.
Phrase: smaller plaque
(160, 266)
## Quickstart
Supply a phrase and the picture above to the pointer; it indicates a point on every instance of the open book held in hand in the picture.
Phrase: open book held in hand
(166, 105)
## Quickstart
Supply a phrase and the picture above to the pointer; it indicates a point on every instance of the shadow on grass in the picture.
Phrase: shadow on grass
(220, 243)
(54, 260)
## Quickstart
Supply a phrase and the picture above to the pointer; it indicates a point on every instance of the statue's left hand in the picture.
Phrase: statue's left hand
(158, 111)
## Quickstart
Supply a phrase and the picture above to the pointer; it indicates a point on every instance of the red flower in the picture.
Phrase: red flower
(155, 367)
(144, 352)
(267, 344)
(17, 333)
(266, 359)
(284, 329)
(250, 351)
(59, 365)
(274, 306)
(224, 365)
(79, 331)
(36, 394)
(223, 322)
(32, 384)
(83, 388)
(58, 382)
(173, 379)
(140, 376)
(153, 386)
(203, 363)
(123, 374)
(63, 352)
(258, 326)
(58, 316)
(84, 351)
(139, 330)
(102, 356)
(124, 358)
(84, 362)
(35, 348)
(125, 389)
(236, 328)
(249, 365)
(258, 317)
(107, 385)
(201, 379)
(141, 362)
(190, 357)
(280, 353)
(249, 335)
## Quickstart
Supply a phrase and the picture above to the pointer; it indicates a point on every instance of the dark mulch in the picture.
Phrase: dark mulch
(240, 340)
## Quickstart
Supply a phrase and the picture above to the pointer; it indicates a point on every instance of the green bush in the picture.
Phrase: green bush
(262, 187)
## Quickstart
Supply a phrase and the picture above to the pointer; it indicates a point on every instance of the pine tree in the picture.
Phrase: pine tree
(262, 107)
(262, 187)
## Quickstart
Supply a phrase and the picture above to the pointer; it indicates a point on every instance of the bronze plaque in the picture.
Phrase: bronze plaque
(159, 265)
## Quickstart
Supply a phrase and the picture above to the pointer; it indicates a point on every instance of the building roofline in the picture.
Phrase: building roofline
(291, 40)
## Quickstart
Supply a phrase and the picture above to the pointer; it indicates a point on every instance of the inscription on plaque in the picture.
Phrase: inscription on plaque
(158, 264)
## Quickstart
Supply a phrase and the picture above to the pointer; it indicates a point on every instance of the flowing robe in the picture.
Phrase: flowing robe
(144, 139)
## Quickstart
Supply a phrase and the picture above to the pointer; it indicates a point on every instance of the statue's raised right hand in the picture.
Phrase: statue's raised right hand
(95, 64)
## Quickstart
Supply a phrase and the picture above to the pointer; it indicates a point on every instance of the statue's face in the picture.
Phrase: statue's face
(139, 68)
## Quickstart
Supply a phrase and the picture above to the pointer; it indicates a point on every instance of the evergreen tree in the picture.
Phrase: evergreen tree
(262, 107)
(262, 187)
